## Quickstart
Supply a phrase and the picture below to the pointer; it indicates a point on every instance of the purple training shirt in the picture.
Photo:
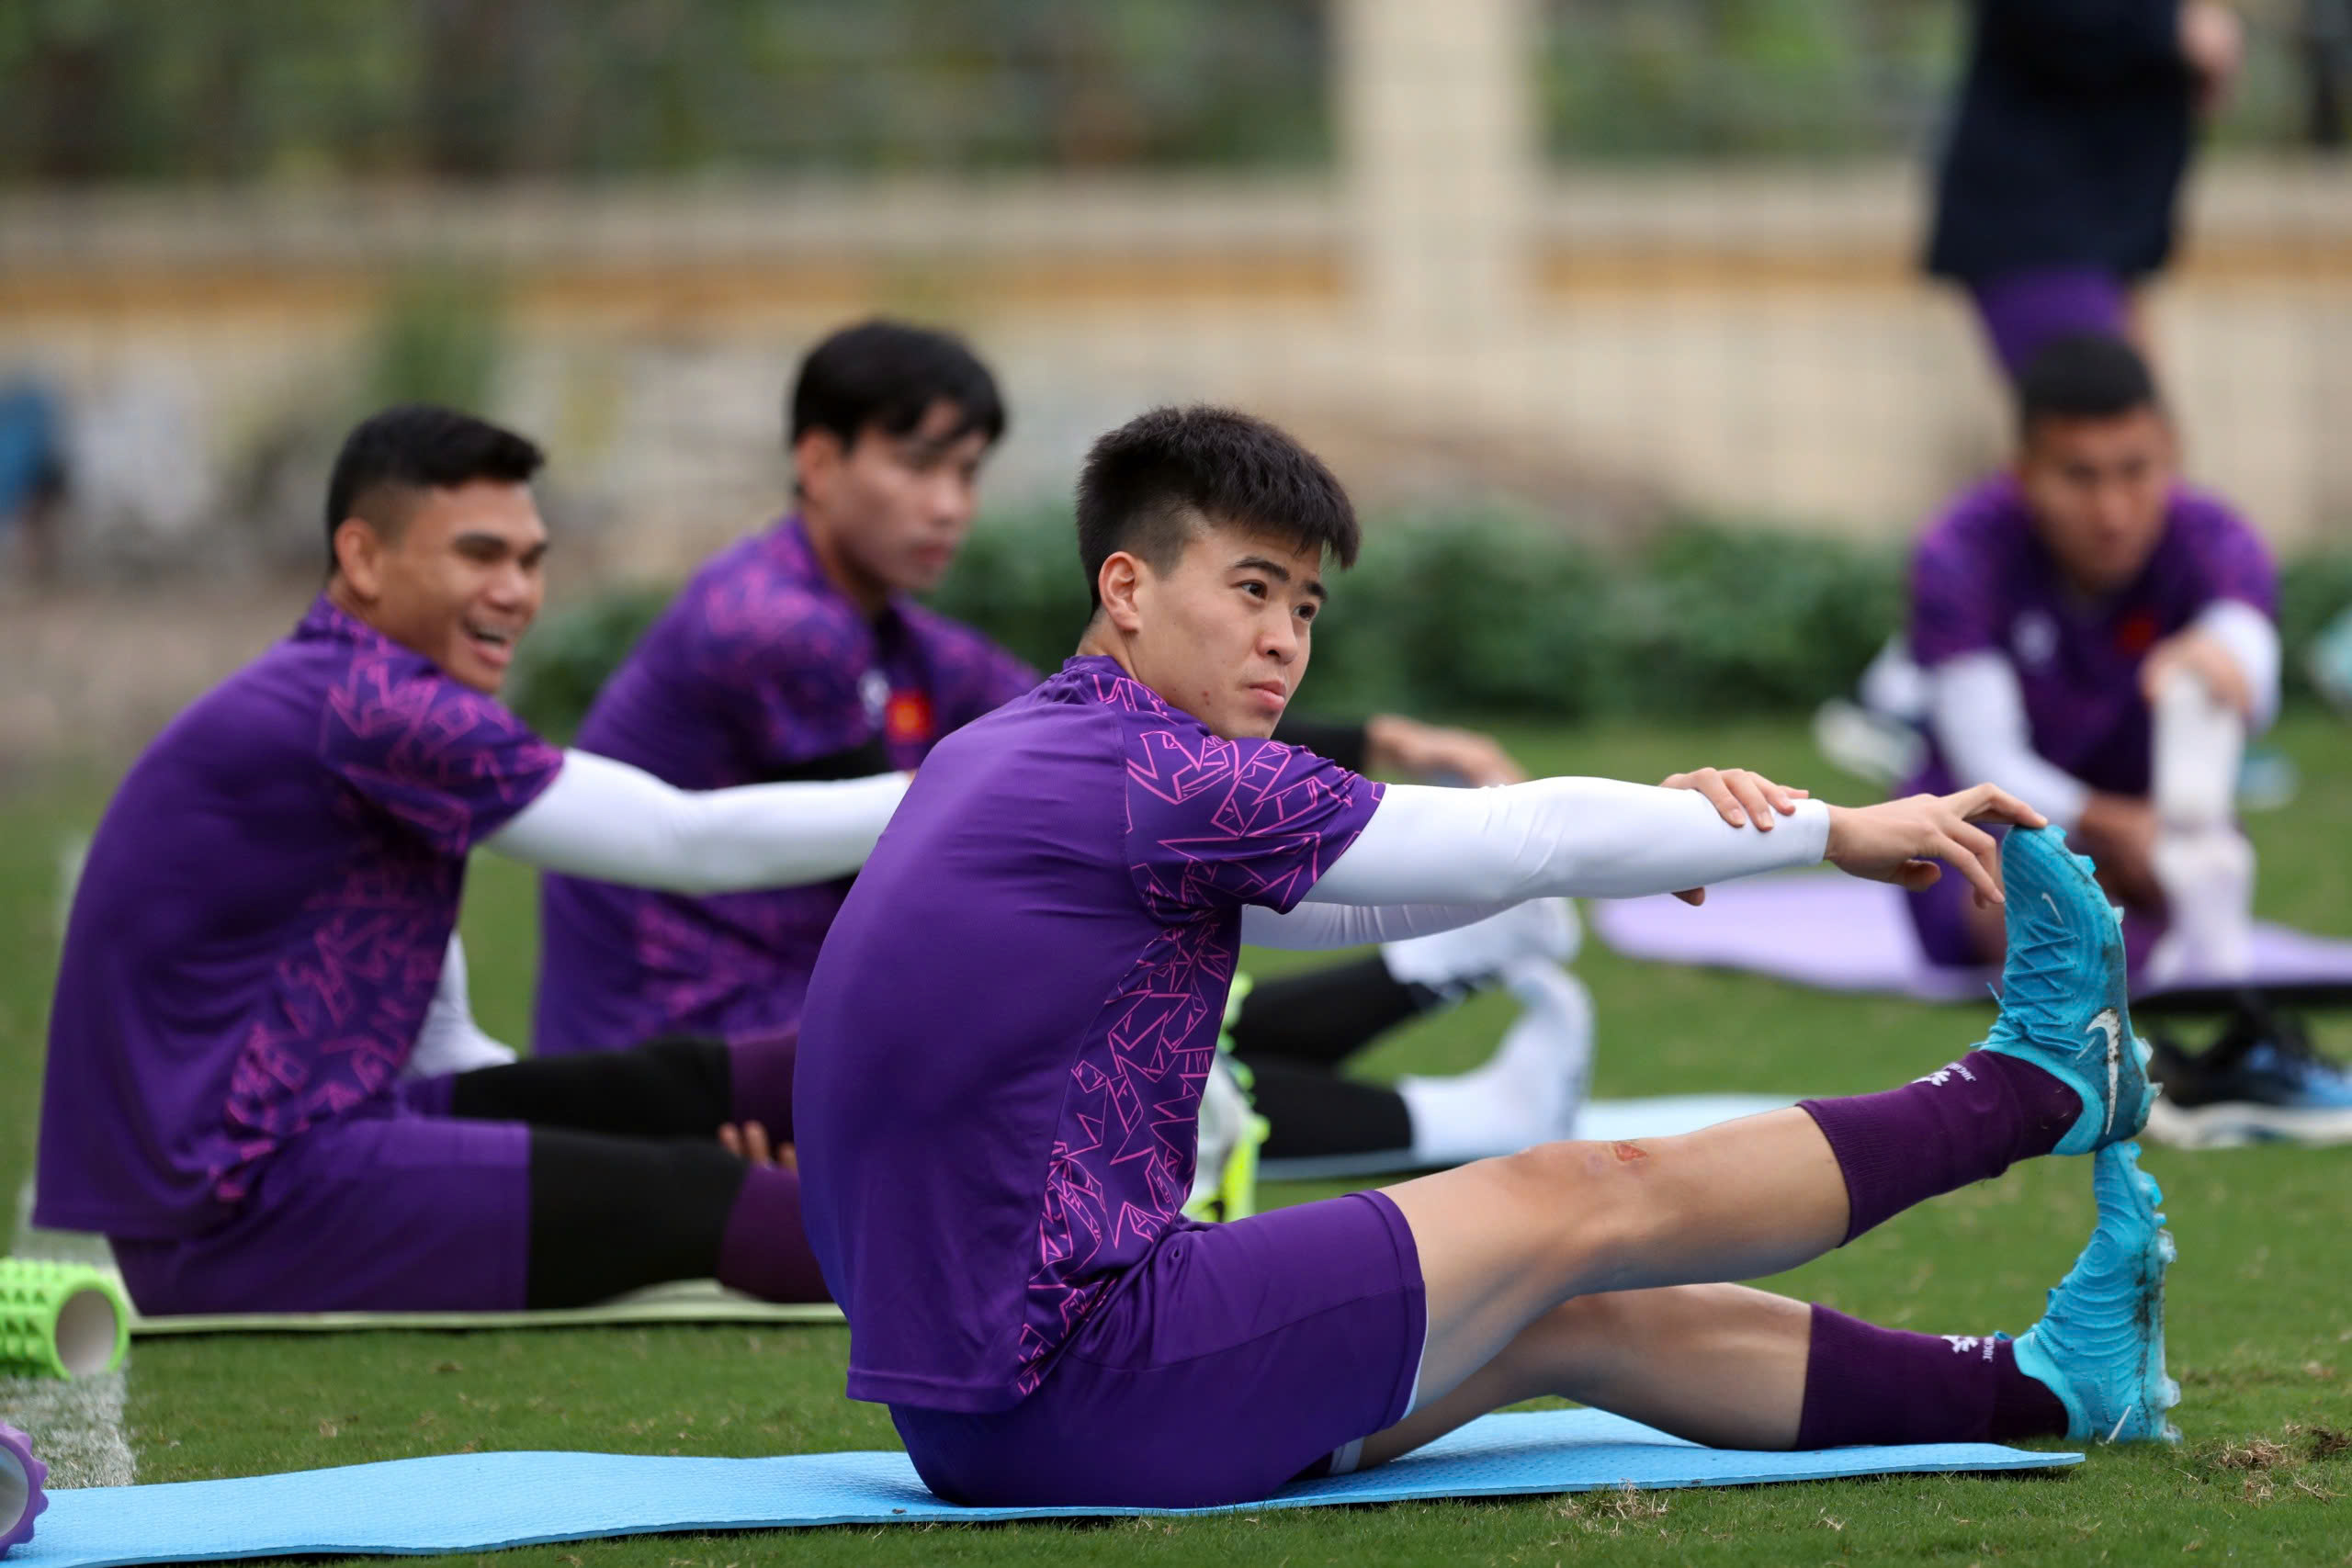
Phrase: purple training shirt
(1006, 1035)
(262, 920)
(760, 671)
(1981, 580)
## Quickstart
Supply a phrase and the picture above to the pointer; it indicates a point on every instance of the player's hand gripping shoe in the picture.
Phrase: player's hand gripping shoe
(2064, 1005)
(2100, 1345)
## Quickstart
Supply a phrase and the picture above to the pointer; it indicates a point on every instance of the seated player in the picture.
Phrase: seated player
(1008, 1028)
(2097, 638)
(258, 939)
(800, 653)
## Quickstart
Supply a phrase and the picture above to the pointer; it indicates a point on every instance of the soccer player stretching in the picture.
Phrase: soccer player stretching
(263, 940)
(1007, 1031)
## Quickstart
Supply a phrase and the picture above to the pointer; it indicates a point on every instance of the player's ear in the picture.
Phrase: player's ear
(359, 556)
(1120, 582)
(816, 457)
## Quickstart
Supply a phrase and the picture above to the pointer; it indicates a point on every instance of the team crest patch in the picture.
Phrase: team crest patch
(908, 718)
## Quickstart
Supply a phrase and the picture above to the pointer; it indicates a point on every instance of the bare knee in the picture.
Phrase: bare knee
(1607, 1197)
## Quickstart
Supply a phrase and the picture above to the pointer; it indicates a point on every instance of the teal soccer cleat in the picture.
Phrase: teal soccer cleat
(2100, 1345)
(2064, 1003)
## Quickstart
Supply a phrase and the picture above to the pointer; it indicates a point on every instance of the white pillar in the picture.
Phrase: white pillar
(1438, 137)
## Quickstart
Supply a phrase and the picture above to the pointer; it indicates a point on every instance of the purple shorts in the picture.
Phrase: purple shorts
(401, 1212)
(1231, 1359)
(2023, 311)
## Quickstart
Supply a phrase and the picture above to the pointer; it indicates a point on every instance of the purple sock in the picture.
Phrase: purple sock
(764, 1252)
(1967, 1123)
(1866, 1384)
(761, 1071)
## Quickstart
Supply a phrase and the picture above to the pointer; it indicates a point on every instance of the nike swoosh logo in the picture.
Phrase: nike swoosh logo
(2107, 1023)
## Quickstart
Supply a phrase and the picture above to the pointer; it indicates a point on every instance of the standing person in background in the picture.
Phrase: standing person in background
(2055, 193)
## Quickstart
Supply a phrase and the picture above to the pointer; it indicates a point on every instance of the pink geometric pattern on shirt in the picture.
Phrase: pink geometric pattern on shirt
(1214, 824)
(431, 767)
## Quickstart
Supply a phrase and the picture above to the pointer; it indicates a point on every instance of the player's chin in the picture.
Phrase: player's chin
(474, 672)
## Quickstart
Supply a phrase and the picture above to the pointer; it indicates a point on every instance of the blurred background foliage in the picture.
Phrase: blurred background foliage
(1489, 611)
(99, 90)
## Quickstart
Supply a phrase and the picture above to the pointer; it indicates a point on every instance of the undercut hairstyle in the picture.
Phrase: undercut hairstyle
(2084, 376)
(883, 375)
(414, 447)
(1149, 484)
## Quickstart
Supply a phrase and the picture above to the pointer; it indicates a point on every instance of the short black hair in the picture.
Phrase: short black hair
(2084, 376)
(1146, 482)
(888, 375)
(420, 447)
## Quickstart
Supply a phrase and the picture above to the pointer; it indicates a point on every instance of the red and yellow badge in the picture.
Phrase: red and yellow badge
(908, 720)
(2137, 633)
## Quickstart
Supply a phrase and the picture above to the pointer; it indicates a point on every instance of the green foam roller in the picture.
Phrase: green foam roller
(61, 1320)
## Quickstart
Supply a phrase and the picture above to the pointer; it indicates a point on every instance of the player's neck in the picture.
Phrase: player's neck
(1103, 640)
(861, 588)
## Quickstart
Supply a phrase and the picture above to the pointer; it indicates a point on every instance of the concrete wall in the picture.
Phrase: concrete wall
(1753, 342)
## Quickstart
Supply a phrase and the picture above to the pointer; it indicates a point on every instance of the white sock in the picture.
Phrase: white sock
(1528, 1092)
(2208, 878)
(2195, 748)
(2202, 863)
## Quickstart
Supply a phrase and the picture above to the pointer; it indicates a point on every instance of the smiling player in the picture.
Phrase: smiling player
(266, 926)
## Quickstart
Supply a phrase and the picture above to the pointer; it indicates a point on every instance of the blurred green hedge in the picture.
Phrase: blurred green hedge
(1474, 613)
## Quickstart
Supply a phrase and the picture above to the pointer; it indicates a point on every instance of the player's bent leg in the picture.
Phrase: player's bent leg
(404, 1214)
(1723, 1365)
(666, 1089)
(1732, 1367)
(612, 1215)
(1503, 1241)
(419, 1213)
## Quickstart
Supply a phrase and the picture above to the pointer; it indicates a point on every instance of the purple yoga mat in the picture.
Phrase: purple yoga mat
(1838, 933)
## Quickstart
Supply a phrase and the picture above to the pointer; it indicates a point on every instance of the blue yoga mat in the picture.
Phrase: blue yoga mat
(478, 1502)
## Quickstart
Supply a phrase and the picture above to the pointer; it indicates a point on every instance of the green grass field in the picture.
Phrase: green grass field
(2261, 1319)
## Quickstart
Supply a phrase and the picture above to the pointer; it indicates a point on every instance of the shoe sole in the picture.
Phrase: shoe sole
(2228, 1124)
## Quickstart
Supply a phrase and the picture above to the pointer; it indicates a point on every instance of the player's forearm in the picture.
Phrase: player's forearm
(1557, 837)
(1318, 927)
(2251, 639)
(615, 823)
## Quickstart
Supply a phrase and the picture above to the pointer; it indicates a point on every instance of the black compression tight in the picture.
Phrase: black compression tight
(629, 1186)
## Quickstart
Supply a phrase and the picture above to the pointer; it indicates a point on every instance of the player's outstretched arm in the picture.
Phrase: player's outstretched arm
(1559, 838)
(1604, 838)
(615, 823)
(1902, 841)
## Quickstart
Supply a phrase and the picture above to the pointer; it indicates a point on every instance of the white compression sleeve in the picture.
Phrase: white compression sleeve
(2251, 639)
(1317, 926)
(1555, 838)
(1979, 716)
(608, 820)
